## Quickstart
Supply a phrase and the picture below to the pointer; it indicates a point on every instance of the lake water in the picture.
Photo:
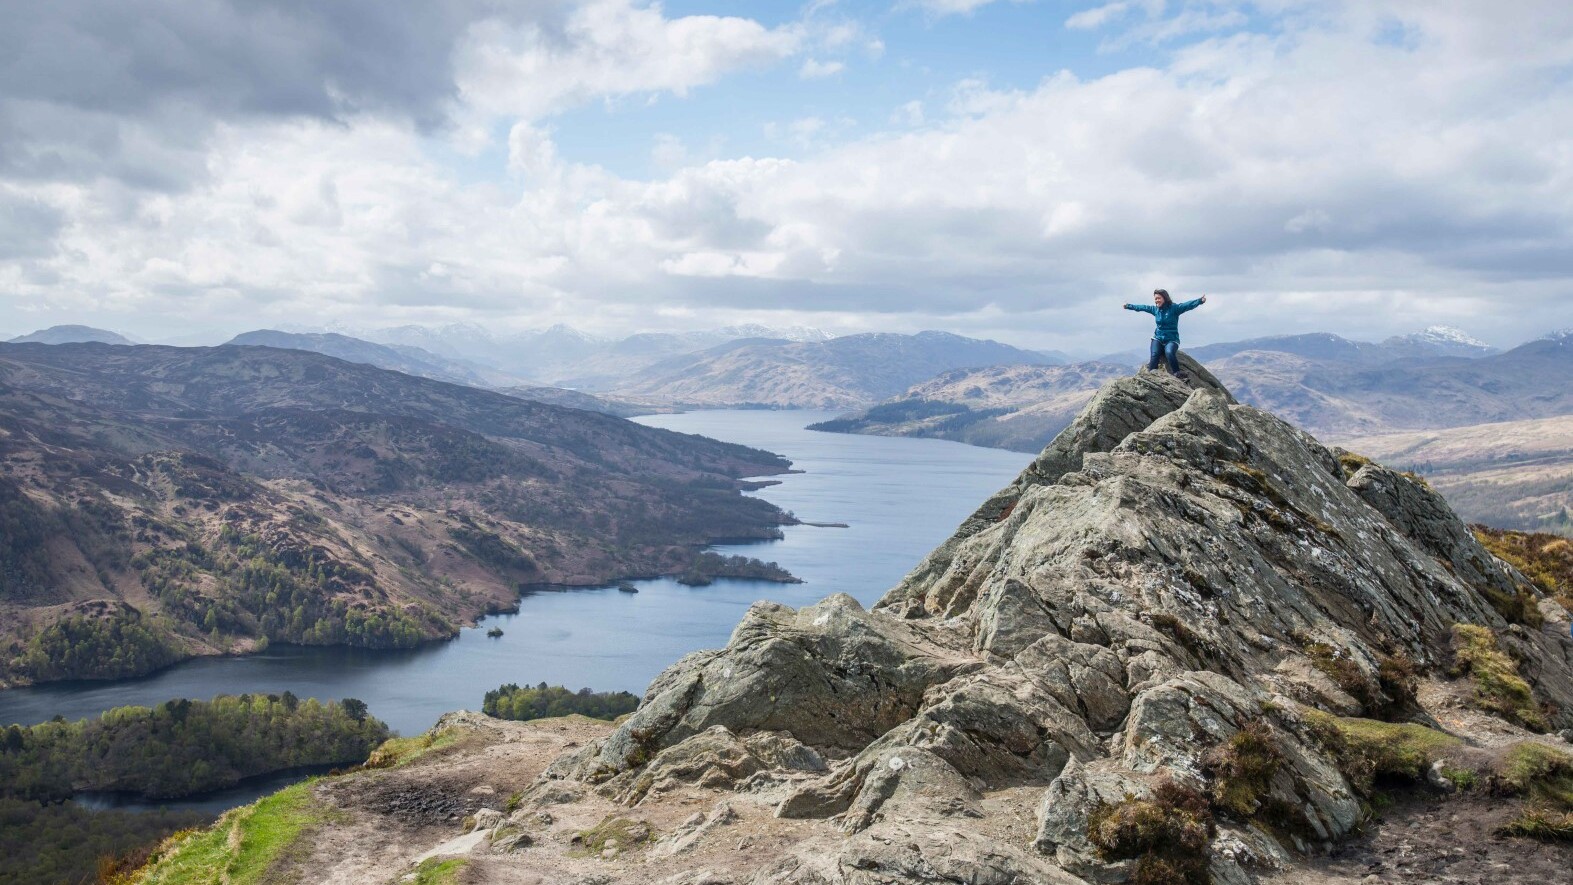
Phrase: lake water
(899, 498)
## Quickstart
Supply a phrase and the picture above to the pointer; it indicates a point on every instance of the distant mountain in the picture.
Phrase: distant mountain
(1435, 341)
(71, 335)
(160, 502)
(847, 372)
(563, 356)
(1006, 407)
(404, 358)
(1438, 341)
(1321, 346)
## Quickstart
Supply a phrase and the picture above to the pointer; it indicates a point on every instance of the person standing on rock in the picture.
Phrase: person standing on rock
(1166, 338)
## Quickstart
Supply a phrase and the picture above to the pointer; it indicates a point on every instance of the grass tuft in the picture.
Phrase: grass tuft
(395, 752)
(1167, 834)
(1544, 777)
(438, 871)
(1498, 687)
(1351, 463)
(1242, 768)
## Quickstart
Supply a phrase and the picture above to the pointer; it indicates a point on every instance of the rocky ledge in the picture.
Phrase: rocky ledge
(1189, 644)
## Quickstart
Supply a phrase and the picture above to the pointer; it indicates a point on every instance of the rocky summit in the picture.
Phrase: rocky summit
(1188, 644)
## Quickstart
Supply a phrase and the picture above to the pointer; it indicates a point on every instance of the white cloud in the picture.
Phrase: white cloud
(1098, 16)
(606, 49)
(814, 69)
(953, 7)
(909, 114)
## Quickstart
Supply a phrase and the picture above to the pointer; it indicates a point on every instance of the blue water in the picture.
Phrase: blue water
(899, 497)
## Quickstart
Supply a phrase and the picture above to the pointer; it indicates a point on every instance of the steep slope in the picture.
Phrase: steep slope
(848, 372)
(1182, 647)
(159, 502)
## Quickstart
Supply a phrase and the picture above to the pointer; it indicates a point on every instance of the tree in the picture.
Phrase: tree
(354, 708)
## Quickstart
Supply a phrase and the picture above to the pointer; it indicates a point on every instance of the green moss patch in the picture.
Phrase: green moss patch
(1498, 687)
(1365, 749)
(1167, 834)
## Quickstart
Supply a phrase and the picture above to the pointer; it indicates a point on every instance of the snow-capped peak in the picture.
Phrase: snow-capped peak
(1447, 335)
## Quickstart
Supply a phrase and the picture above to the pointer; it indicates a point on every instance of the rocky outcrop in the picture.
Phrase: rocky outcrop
(1174, 571)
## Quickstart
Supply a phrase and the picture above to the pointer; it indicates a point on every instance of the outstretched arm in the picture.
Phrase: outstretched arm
(1192, 305)
(1143, 308)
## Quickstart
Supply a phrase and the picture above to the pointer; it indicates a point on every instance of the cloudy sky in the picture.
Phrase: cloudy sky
(175, 169)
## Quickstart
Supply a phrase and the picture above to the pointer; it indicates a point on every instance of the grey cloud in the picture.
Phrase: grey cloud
(128, 90)
(27, 226)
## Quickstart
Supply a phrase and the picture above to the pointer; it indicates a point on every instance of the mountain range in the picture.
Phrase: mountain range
(562, 356)
(846, 372)
(159, 502)
(1322, 382)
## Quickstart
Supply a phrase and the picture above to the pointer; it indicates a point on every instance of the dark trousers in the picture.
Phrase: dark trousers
(1169, 351)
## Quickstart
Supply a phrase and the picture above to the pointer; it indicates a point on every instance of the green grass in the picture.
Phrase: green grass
(243, 848)
(437, 871)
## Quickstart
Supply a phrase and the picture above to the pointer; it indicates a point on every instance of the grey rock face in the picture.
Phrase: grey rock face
(1173, 569)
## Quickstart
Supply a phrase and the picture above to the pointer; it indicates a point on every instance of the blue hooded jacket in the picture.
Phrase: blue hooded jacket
(1168, 318)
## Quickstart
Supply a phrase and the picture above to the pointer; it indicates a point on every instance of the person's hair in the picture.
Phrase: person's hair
(1164, 294)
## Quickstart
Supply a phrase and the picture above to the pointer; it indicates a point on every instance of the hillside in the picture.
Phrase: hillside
(160, 502)
(578, 399)
(1515, 474)
(398, 358)
(843, 373)
(1522, 383)
(1189, 644)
